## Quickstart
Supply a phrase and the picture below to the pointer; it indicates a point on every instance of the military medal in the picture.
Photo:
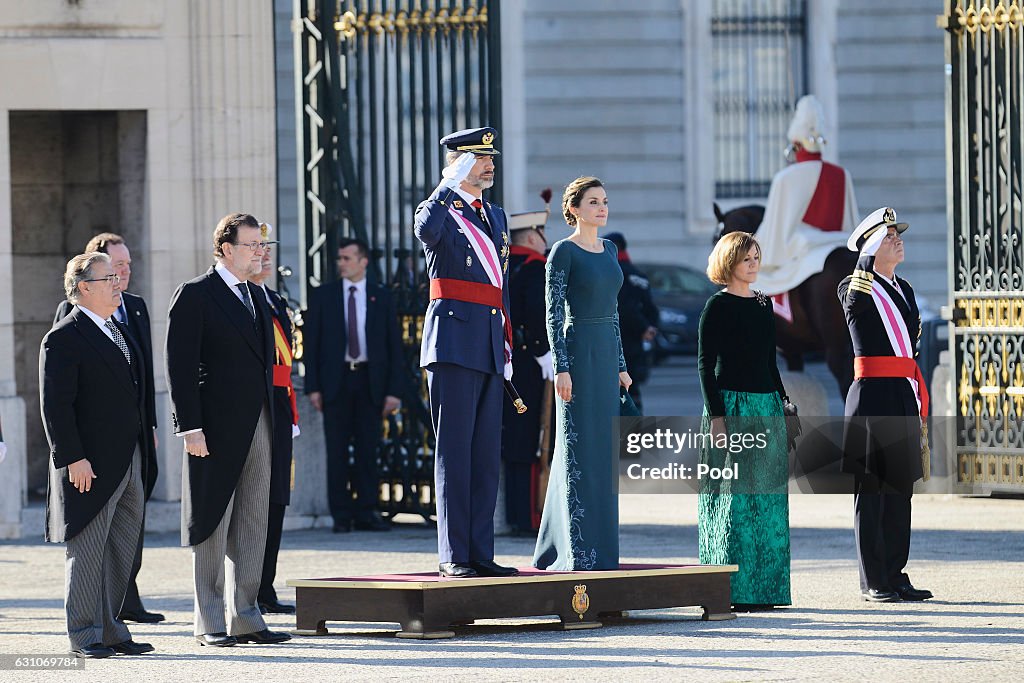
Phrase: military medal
(469, 261)
(457, 203)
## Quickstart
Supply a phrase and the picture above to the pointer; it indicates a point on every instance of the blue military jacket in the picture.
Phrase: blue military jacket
(458, 332)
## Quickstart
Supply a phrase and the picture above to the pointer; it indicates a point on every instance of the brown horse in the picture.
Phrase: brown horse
(819, 324)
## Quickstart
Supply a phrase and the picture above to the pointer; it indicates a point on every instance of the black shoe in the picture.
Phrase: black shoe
(880, 595)
(373, 523)
(141, 616)
(264, 637)
(342, 527)
(130, 647)
(218, 639)
(456, 570)
(93, 651)
(911, 594)
(275, 607)
(490, 568)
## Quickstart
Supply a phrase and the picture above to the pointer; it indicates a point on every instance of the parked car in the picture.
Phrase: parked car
(680, 293)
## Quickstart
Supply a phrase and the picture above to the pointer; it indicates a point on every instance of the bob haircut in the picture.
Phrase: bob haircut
(729, 253)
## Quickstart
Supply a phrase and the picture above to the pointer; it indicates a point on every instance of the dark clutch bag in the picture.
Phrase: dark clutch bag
(627, 408)
(793, 428)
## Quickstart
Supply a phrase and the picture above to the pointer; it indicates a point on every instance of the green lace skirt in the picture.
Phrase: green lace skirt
(749, 528)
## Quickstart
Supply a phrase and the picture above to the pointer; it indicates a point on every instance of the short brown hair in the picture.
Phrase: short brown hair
(573, 195)
(728, 253)
(103, 240)
(78, 270)
(226, 231)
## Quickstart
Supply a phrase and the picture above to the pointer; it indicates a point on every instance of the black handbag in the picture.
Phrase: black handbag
(793, 429)
(627, 408)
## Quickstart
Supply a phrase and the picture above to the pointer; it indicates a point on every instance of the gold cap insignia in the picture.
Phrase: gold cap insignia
(264, 231)
(487, 138)
(889, 216)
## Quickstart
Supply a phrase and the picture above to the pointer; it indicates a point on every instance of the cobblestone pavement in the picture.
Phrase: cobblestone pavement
(969, 552)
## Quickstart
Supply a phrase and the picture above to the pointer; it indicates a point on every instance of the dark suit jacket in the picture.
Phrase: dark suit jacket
(325, 339)
(93, 407)
(219, 373)
(138, 326)
(457, 332)
(281, 460)
(887, 448)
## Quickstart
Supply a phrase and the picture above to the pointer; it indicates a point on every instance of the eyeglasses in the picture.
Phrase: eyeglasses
(253, 246)
(113, 279)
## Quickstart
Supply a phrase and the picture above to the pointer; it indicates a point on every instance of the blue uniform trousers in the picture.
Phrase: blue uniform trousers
(465, 408)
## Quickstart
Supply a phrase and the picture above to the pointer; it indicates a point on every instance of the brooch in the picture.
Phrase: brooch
(761, 297)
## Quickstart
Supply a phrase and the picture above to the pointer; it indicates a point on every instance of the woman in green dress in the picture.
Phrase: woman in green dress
(580, 525)
(746, 521)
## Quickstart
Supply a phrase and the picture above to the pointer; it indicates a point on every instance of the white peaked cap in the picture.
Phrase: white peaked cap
(808, 124)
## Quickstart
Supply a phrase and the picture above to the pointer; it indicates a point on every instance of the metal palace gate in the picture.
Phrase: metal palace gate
(985, 128)
(377, 85)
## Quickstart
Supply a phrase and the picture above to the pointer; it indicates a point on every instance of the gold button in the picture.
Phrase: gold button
(494, 311)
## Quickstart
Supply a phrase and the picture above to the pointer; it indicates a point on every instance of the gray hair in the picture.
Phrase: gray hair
(451, 155)
(79, 269)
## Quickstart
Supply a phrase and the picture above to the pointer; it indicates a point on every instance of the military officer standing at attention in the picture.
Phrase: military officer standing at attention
(884, 446)
(466, 350)
(531, 364)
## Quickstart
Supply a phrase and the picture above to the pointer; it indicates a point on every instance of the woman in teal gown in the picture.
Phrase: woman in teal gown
(579, 529)
(744, 522)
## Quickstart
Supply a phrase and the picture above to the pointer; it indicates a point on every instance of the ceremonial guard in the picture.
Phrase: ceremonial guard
(638, 318)
(531, 364)
(286, 428)
(811, 208)
(885, 443)
(466, 350)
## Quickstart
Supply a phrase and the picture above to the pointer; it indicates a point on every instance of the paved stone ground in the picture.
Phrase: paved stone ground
(970, 552)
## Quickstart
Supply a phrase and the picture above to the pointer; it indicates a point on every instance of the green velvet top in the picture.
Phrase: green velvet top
(736, 349)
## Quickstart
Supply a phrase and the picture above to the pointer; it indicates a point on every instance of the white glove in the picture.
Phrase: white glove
(508, 370)
(874, 242)
(3, 451)
(452, 176)
(295, 431)
(547, 370)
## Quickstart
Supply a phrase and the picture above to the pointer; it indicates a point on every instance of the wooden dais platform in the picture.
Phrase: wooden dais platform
(427, 606)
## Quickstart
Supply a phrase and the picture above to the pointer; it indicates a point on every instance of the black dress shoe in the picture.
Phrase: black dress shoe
(456, 570)
(911, 594)
(490, 568)
(342, 527)
(373, 523)
(218, 639)
(880, 595)
(275, 607)
(264, 637)
(93, 651)
(130, 647)
(140, 616)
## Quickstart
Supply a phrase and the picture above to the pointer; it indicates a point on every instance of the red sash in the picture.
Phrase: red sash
(893, 366)
(283, 366)
(828, 204)
(473, 293)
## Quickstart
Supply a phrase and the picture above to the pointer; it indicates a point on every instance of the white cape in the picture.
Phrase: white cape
(791, 250)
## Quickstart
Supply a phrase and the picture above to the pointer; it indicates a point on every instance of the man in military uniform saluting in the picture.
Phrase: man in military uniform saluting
(531, 364)
(467, 349)
(885, 408)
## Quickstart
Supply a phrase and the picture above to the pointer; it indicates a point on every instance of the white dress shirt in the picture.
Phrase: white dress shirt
(360, 316)
(100, 323)
(892, 283)
(231, 281)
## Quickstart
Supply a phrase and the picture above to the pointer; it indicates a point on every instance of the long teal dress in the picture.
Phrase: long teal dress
(580, 525)
(740, 380)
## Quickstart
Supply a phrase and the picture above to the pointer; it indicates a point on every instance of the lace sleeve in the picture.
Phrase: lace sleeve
(554, 295)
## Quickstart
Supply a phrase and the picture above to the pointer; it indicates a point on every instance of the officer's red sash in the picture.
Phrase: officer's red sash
(893, 366)
(473, 293)
(283, 366)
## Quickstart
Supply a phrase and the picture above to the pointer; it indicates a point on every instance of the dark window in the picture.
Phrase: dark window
(759, 61)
